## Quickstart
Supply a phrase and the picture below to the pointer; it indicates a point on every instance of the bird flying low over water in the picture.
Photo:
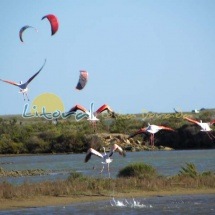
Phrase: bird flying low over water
(24, 86)
(205, 126)
(152, 129)
(106, 158)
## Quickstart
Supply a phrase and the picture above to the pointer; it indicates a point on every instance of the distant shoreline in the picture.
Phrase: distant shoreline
(44, 201)
(71, 153)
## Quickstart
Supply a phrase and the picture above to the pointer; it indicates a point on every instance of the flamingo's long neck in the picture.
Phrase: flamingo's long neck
(91, 111)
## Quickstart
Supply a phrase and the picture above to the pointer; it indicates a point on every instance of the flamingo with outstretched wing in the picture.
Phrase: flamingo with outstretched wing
(24, 86)
(91, 115)
(205, 126)
(106, 158)
(152, 129)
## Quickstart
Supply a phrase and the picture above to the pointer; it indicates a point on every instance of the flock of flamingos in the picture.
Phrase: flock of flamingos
(151, 129)
(92, 116)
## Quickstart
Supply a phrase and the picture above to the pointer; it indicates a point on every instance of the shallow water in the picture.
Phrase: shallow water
(183, 204)
(167, 163)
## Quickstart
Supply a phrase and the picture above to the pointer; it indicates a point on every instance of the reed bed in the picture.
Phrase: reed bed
(80, 185)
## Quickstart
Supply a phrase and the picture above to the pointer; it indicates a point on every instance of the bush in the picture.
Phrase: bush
(76, 176)
(139, 170)
(8, 146)
(36, 145)
(189, 170)
(121, 124)
(36, 135)
(68, 143)
(208, 173)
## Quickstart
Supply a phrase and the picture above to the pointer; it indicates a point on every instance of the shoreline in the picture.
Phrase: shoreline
(45, 201)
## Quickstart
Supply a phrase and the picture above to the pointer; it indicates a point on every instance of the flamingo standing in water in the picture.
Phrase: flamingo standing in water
(106, 157)
(24, 86)
(152, 129)
(91, 115)
(205, 126)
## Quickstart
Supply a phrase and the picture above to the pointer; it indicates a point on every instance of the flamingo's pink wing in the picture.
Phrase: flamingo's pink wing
(140, 131)
(78, 107)
(212, 122)
(104, 108)
(191, 120)
(114, 148)
(10, 82)
(167, 128)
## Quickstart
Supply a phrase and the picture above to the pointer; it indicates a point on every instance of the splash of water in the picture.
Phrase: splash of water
(125, 203)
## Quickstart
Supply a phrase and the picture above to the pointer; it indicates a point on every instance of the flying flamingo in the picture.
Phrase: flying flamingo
(106, 157)
(24, 86)
(205, 126)
(152, 129)
(91, 116)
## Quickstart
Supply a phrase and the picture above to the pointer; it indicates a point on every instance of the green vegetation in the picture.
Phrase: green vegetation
(78, 184)
(138, 170)
(36, 135)
(189, 170)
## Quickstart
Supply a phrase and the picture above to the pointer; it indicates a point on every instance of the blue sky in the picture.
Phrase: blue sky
(152, 55)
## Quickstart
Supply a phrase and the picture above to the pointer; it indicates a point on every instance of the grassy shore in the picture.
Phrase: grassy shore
(136, 179)
(41, 201)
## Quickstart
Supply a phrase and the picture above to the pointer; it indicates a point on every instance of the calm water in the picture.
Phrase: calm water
(166, 162)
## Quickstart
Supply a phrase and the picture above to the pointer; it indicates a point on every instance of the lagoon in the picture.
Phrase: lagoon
(167, 163)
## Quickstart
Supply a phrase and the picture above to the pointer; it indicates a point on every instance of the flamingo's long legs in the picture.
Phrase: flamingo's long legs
(27, 96)
(102, 169)
(23, 96)
(94, 126)
(152, 139)
(108, 170)
(210, 135)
